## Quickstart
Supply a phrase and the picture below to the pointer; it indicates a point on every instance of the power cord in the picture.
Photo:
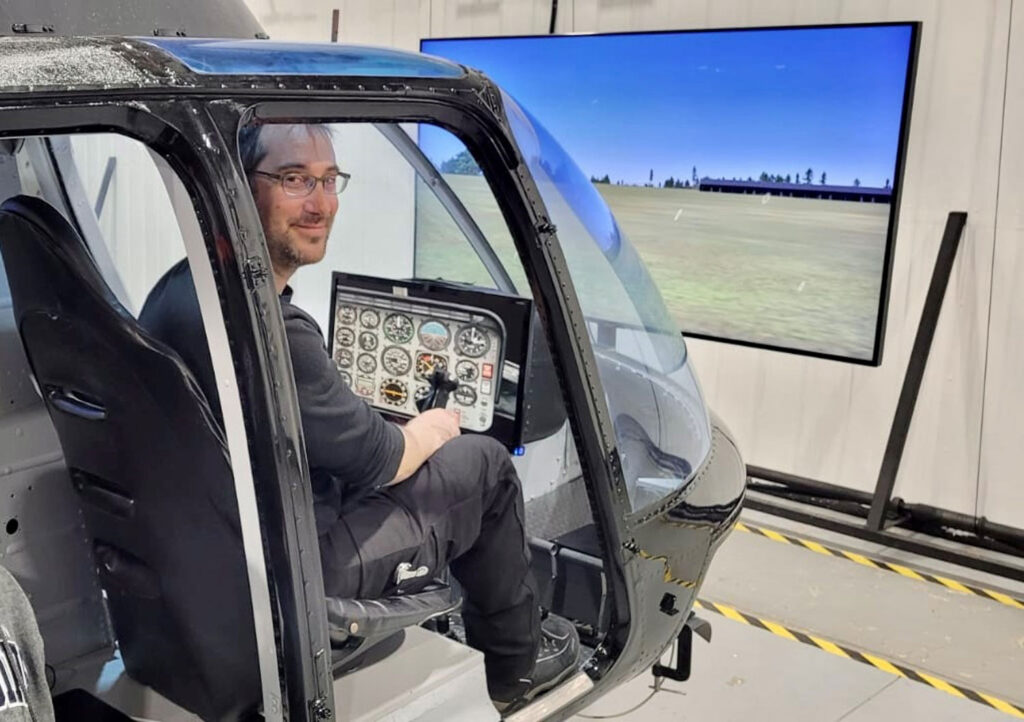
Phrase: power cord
(655, 688)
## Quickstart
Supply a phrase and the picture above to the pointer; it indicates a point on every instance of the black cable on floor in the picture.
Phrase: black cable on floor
(658, 681)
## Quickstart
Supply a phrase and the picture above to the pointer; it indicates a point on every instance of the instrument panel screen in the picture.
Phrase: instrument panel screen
(387, 347)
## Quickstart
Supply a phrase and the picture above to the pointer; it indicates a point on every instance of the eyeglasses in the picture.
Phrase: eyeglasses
(299, 185)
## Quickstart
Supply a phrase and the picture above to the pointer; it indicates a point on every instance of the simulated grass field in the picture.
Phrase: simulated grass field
(791, 272)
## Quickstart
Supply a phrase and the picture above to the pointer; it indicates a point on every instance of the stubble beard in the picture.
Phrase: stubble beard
(286, 256)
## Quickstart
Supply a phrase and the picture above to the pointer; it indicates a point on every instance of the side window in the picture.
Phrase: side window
(416, 207)
(123, 183)
(441, 250)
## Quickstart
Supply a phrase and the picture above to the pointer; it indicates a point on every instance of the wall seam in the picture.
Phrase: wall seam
(992, 270)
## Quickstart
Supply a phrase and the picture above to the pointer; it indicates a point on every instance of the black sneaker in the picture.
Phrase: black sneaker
(557, 658)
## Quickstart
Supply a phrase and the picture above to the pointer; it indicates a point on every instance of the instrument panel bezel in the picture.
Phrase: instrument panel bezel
(512, 314)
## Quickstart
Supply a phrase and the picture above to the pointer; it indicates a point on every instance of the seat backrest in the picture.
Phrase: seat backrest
(150, 465)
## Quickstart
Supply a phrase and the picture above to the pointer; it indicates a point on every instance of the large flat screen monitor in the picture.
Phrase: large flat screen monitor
(756, 171)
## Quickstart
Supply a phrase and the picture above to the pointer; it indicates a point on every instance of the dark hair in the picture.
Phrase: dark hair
(253, 150)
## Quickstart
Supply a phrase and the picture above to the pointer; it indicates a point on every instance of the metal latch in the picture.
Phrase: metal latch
(255, 272)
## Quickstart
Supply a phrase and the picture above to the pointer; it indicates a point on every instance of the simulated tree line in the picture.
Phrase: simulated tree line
(805, 178)
(464, 164)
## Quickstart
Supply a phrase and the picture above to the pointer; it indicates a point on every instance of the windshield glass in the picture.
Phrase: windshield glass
(661, 423)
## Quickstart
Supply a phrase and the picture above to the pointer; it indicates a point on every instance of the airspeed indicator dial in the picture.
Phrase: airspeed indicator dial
(396, 361)
(473, 341)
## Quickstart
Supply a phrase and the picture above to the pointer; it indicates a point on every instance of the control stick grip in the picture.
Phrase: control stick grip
(441, 386)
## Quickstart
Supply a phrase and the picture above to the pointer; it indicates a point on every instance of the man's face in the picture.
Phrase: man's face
(296, 228)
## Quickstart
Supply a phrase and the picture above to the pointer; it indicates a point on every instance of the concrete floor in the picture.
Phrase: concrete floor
(747, 673)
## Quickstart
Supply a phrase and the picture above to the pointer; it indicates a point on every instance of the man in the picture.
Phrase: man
(24, 693)
(384, 495)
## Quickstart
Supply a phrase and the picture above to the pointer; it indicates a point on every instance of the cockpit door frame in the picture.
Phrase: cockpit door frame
(486, 135)
(263, 431)
(178, 122)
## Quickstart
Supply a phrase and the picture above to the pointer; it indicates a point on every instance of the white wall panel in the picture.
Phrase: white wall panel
(824, 419)
(1001, 492)
(829, 420)
(374, 224)
(138, 223)
(304, 22)
(461, 18)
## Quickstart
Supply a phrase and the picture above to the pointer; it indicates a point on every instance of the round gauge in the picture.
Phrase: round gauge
(473, 341)
(427, 363)
(466, 371)
(396, 361)
(346, 314)
(434, 335)
(421, 393)
(398, 328)
(369, 318)
(346, 378)
(368, 341)
(343, 357)
(345, 336)
(394, 392)
(465, 396)
(366, 363)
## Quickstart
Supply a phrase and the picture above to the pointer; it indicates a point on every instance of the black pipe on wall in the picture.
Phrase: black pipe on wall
(963, 528)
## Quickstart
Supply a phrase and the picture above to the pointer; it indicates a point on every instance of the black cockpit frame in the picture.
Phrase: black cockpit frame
(193, 122)
(177, 122)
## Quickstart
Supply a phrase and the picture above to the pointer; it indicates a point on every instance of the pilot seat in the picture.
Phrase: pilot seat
(149, 462)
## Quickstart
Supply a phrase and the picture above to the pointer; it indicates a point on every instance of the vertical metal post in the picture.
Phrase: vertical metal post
(955, 222)
(108, 175)
(335, 22)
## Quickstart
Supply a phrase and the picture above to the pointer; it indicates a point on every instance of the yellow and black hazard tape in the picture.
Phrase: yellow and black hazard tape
(863, 657)
(920, 576)
(667, 578)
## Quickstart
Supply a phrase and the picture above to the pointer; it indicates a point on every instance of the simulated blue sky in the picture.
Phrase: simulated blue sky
(731, 103)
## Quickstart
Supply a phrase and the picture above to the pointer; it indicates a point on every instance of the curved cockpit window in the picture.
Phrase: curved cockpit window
(661, 422)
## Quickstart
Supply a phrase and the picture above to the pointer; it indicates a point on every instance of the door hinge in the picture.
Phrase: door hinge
(321, 710)
(255, 272)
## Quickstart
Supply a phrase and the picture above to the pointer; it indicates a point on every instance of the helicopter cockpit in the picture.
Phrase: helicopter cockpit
(471, 266)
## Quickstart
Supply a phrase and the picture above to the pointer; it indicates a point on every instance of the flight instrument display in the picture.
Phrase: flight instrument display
(388, 348)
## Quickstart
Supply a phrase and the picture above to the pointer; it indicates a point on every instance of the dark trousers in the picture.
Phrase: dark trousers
(464, 509)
